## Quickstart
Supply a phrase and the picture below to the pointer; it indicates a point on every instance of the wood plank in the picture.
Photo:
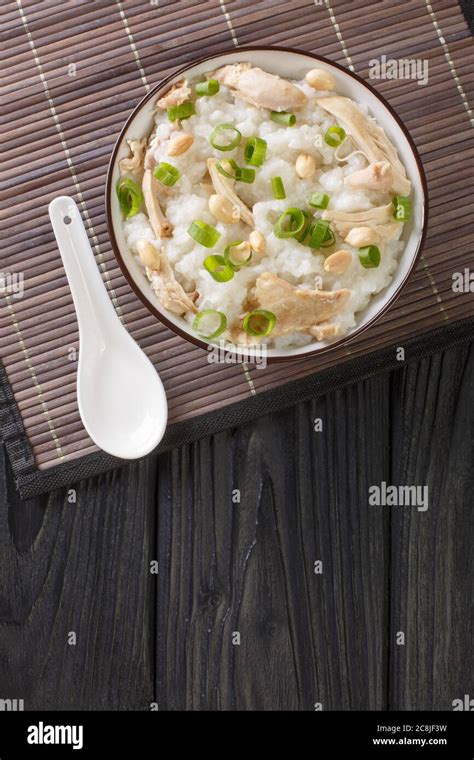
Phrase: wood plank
(80, 567)
(249, 567)
(431, 582)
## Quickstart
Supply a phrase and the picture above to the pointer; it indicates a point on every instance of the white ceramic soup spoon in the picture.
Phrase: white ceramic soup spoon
(121, 398)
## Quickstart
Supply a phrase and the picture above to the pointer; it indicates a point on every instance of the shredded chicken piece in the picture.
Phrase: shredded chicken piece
(159, 223)
(378, 176)
(344, 221)
(240, 337)
(325, 330)
(369, 137)
(150, 161)
(296, 310)
(259, 88)
(134, 164)
(388, 231)
(154, 141)
(170, 293)
(176, 95)
(225, 186)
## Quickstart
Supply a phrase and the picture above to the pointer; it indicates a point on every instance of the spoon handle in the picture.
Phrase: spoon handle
(93, 306)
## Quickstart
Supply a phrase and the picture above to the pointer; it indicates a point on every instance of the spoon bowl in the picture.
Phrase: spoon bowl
(121, 399)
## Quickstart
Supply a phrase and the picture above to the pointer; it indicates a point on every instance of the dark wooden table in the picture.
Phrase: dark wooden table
(237, 618)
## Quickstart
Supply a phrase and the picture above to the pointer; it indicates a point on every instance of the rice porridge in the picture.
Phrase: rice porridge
(264, 210)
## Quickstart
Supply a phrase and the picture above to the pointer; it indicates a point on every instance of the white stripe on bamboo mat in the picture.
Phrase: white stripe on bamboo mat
(230, 26)
(147, 87)
(337, 29)
(132, 44)
(95, 241)
(229, 23)
(431, 279)
(450, 61)
(34, 377)
(67, 153)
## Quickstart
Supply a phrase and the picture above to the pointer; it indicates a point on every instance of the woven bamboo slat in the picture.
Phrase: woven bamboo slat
(117, 48)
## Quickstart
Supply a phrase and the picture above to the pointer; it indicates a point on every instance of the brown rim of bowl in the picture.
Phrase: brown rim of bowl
(249, 48)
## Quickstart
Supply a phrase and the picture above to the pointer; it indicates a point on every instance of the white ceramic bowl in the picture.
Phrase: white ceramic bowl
(291, 64)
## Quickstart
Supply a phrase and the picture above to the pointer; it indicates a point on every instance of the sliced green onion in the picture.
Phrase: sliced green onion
(228, 168)
(203, 233)
(369, 256)
(130, 197)
(236, 259)
(226, 141)
(321, 234)
(211, 87)
(278, 188)
(166, 174)
(259, 323)
(218, 268)
(183, 111)
(236, 172)
(255, 151)
(402, 206)
(303, 234)
(330, 239)
(245, 175)
(319, 200)
(289, 224)
(209, 317)
(335, 136)
(283, 117)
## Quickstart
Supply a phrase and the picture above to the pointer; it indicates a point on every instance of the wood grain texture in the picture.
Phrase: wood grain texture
(248, 567)
(432, 556)
(80, 568)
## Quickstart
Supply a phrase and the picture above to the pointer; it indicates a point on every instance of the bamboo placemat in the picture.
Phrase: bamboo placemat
(72, 71)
